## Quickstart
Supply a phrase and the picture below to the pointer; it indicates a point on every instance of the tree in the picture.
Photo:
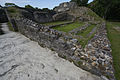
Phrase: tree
(36, 8)
(46, 10)
(106, 8)
(29, 6)
(80, 2)
(9, 4)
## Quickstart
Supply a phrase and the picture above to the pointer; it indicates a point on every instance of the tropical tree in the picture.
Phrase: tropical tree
(106, 8)
(29, 6)
(9, 4)
(81, 2)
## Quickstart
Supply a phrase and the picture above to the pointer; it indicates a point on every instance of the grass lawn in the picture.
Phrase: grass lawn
(93, 14)
(84, 41)
(114, 37)
(86, 31)
(69, 27)
(55, 23)
(13, 12)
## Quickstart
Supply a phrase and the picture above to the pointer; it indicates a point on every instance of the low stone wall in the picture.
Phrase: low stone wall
(92, 32)
(99, 53)
(3, 16)
(66, 23)
(75, 31)
(95, 57)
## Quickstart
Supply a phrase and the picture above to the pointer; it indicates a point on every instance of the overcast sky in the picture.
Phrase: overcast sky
(36, 3)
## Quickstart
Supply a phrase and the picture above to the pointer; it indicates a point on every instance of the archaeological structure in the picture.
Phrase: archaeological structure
(85, 44)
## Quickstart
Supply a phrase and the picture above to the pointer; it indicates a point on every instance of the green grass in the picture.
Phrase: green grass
(84, 41)
(69, 27)
(86, 31)
(93, 14)
(10, 26)
(116, 23)
(114, 37)
(13, 12)
(55, 23)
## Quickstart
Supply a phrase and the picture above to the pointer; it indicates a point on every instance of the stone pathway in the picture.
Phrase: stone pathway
(23, 59)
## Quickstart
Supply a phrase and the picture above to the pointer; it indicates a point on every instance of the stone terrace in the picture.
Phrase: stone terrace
(95, 57)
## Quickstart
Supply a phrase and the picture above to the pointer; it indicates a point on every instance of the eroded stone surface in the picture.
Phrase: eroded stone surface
(23, 59)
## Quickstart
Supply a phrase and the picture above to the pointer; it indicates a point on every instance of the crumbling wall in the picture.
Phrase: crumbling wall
(42, 17)
(3, 16)
(95, 57)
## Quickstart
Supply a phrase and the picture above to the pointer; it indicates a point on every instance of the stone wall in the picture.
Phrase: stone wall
(61, 25)
(43, 17)
(3, 17)
(75, 31)
(99, 53)
(95, 57)
(62, 17)
(78, 13)
(36, 15)
(65, 6)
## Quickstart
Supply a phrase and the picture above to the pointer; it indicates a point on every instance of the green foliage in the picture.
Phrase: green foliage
(68, 27)
(46, 10)
(96, 7)
(37, 8)
(81, 2)
(108, 9)
(13, 12)
(10, 4)
(83, 41)
(80, 63)
(29, 6)
(10, 26)
(93, 14)
(114, 37)
(86, 31)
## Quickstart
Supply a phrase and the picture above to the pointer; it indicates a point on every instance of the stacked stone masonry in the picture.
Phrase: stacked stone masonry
(95, 57)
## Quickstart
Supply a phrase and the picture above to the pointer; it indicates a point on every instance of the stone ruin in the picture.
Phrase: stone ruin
(3, 17)
(65, 11)
(95, 57)
(73, 11)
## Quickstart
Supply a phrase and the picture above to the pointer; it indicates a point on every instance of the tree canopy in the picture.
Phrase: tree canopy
(29, 6)
(10, 4)
(108, 9)
(81, 2)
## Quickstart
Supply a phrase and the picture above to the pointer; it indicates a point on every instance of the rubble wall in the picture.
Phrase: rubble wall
(3, 16)
(95, 57)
